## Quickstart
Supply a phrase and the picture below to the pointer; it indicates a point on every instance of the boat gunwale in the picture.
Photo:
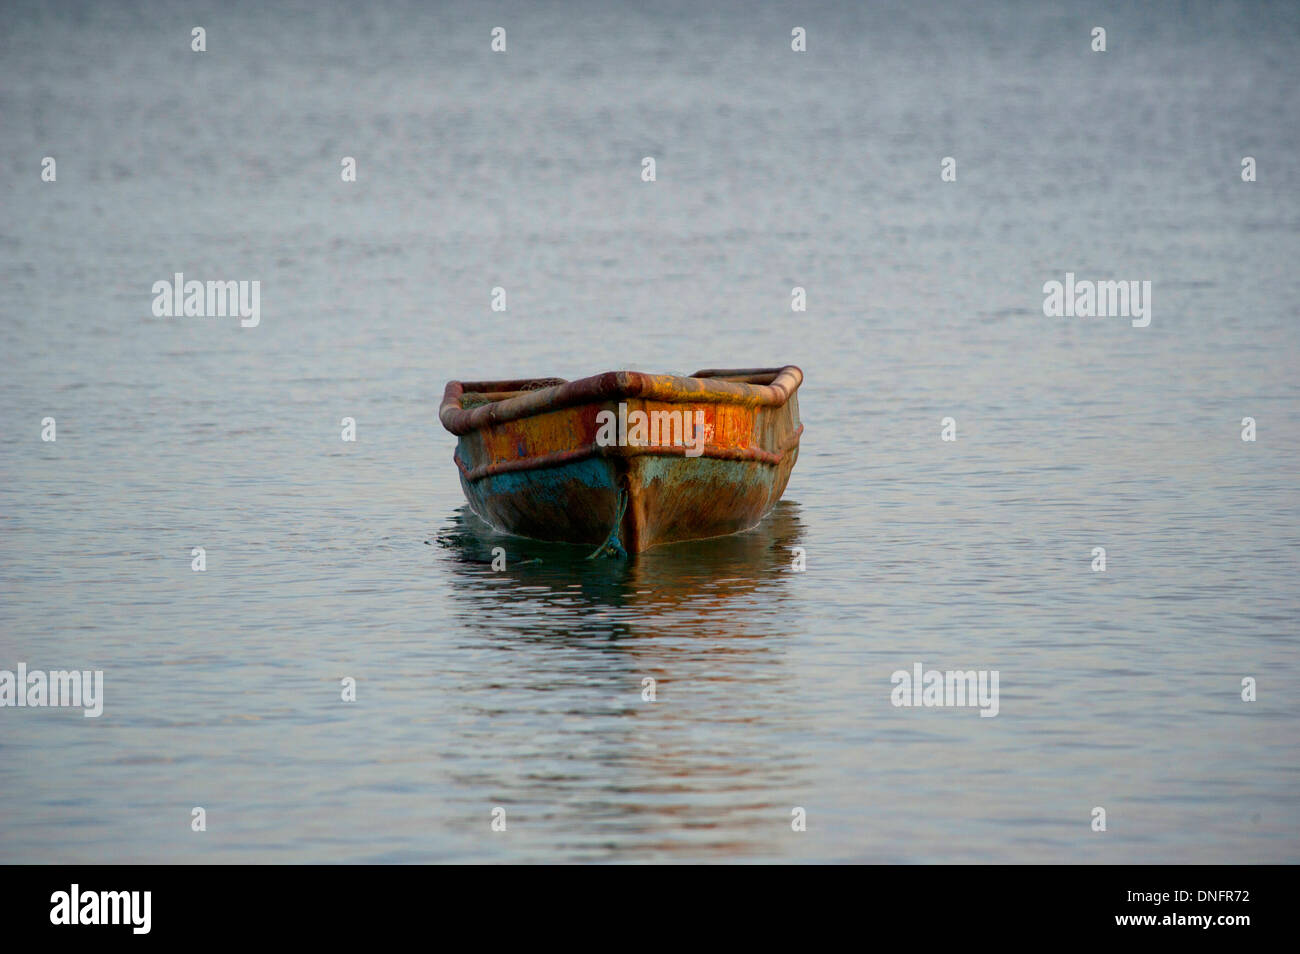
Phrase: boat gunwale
(701, 387)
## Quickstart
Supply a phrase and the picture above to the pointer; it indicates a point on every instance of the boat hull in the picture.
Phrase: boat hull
(539, 470)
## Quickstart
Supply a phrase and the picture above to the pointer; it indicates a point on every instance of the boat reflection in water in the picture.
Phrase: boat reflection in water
(559, 727)
(708, 575)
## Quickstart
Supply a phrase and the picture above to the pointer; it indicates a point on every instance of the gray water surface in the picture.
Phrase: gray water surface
(522, 689)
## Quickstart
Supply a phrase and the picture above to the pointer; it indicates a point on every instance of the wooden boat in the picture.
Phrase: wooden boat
(626, 460)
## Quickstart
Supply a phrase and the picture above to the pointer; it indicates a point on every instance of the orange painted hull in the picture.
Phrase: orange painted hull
(565, 461)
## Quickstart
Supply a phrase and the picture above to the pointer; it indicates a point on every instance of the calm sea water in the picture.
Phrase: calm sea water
(522, 689)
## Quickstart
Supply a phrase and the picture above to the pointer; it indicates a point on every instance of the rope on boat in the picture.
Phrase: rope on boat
(612, 546)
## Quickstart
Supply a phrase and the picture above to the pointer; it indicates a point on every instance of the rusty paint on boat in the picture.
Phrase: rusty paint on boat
(530, 463)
